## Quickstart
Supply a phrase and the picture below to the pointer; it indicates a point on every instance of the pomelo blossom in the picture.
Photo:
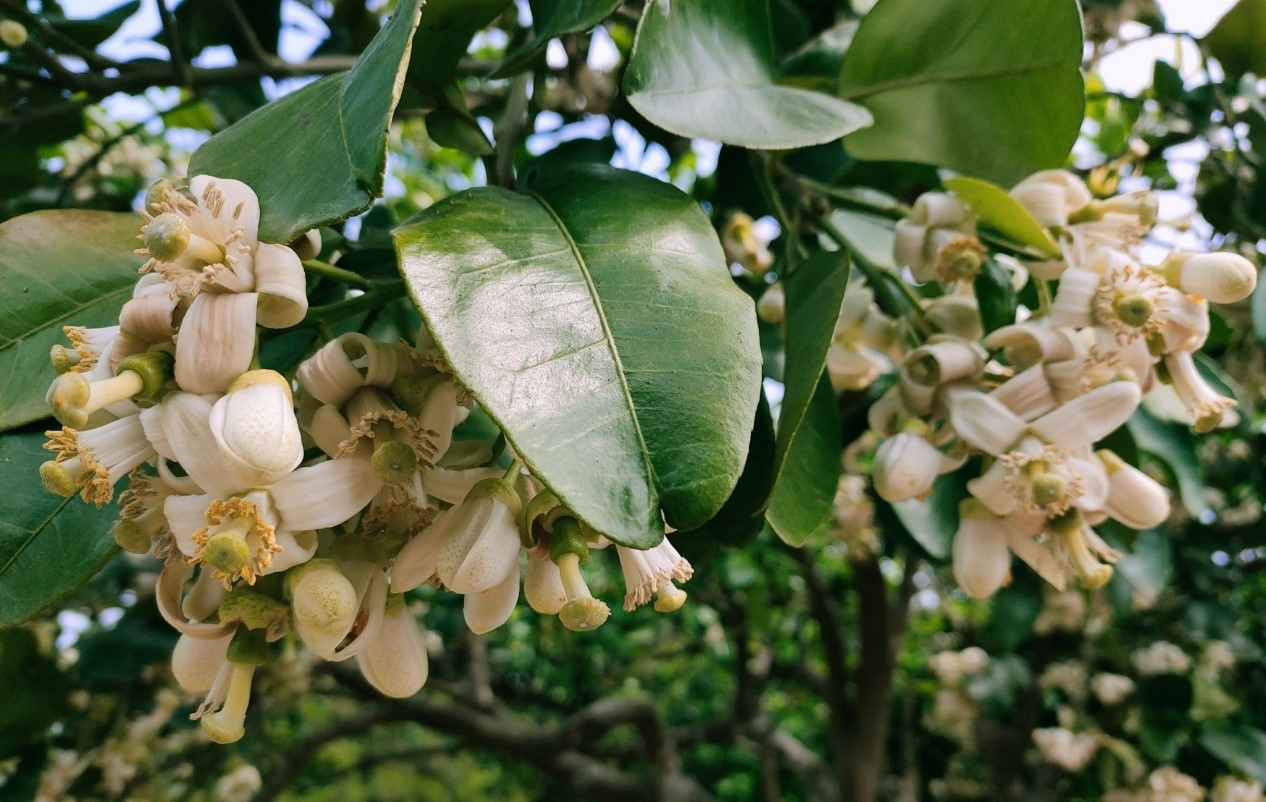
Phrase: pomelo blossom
(1068, 750)
(1231, 789)
(1161, 657)
(1111, 689)
(924, 241)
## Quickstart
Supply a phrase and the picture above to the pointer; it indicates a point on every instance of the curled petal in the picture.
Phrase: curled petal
(167, 594)
(196, 662)
(216, 341)
(282, 287)
(150, 317)
(453, 485)
(396, 662)
(346, 364)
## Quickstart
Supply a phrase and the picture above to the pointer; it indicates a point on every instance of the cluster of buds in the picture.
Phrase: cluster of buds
(305, 505)
(1028, 401)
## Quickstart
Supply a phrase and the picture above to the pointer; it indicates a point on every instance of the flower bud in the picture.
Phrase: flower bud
(982, 560)
(772, 306)
(543, 587)
(1134, 498)
(481, 538)
(396, 661)
(324, 604)
(255, 427)
(1051, 196)
(905, 467)
(1220, 277)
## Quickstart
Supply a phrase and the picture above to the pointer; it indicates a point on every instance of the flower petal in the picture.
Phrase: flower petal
(257, 434)
(1089, 417)
(985, 422)
(186, 422)
(326, 494)
(396, 663)
(981, 558)
(216, 341)
(240, 208)
(186, 515)
(282, 286)
(991, 489)
(489, 609)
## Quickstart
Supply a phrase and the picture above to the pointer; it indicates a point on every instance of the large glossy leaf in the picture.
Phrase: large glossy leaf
(1239, 39)
(802, 498)
(48, 545)
(1003, 213)
(1240, 747)
(809, 472)
(706, 69)
(551, 19)
(317, 155)
(57, 268)
(985, 87)
(594, 320)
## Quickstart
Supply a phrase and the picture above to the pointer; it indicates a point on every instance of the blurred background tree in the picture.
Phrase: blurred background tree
(850, 668)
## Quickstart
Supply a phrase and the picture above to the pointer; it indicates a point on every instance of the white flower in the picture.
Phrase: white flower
(396, 661)
(1068, 678)
(906, 466)
(772, 306)
(252, 517)
(1216, 658)
(239, 785)
(937, 220)
(1161, 657)
(488, 609)
(1111, 689)
(196, 662)
(94, 460)
(857, 354)
(543, 586)
(1231, 789)
(1064, 611)
(1208, 408)
(1168, 784)
(1070, 751)
(652, 571)
(479, 538)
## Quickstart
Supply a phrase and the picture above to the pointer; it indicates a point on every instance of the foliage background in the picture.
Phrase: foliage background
(767, 684)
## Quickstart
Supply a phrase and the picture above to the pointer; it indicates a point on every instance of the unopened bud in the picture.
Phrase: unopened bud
(1220, 277)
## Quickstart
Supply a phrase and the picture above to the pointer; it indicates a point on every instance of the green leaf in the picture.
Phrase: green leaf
(92, 32)
(59, 268)
(551, 19)
(742, 517)
(48, 545)
(872, 236)
(996, 295)
(1259, 312)
(317, 155)
(443, 37)
(810, 472)
(979, 87)
(706, 70)
(34, 691)
(1174, 447)
(1240, 747)
(1238, 41)
(1149, 566)
(594, 320)
(1001, 212)
(1211, 701)
(802, 501)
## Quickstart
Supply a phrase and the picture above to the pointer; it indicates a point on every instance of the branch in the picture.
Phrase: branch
(180, 65)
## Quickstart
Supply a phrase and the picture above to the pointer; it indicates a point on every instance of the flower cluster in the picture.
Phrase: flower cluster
(307, 504)
(1020, 408)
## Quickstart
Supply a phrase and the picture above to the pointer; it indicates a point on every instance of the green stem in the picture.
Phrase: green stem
(1043, 294)
(512, 473)
(876, 276)
(763, 168)
(380, 293)
(347, 277)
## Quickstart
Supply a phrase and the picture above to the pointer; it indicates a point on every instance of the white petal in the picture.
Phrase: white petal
(453, 485)
(240, 208)
(1039, 558)
(186, 515)
(985, 422)
(372, 608)
(481, 547)
(396, 662)
(186, 421)
(167, 595)
(990, 488)
(195, 662)
(1094, 482)
(296, 549)
(416, 562)
(324, 607)
(981, 558)
(326, 494)
(216, 341)
(905, 467)
(489, 609)
(544, 587)
(257, 433)
(1089, 417)
(1135, 499)
(282, 286)
(1074, 300)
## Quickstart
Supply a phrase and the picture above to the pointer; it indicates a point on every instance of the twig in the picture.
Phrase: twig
(179, 64)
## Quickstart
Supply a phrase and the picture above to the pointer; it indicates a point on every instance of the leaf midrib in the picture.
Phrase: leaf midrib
(643, 450)
(946, 78)
(24, 336)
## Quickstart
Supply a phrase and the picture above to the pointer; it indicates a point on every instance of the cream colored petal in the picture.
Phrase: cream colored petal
(195, 662)
(416, 562)
(326, 494)
(482, 547)
(982, 560)
(282, 286)
(905, 467)
(167, 595)
(296, 549)
(329, 429)
(186, 421)
(1074, 300)
(1039, 558)
(239, 209)
(1090, 417)
(396, 663)
(489, 609)
(453, 485)
(985, 422)
(1135, 499)
(372, 609)
(216, 342)
(907, 245)
(150, 317)
(1094, 482)
(186, 515)
(991, 489)
(543, 587)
